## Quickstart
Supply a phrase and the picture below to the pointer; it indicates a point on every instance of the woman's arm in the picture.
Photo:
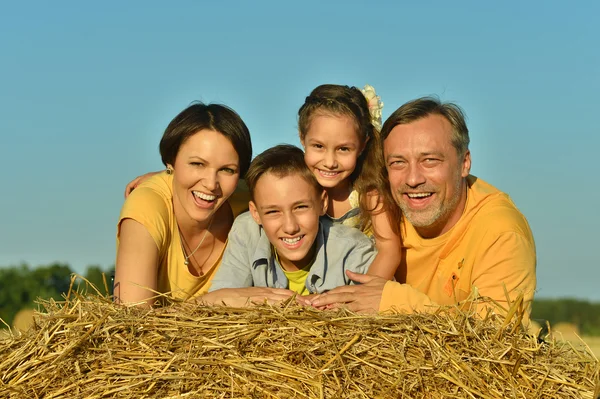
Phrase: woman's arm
(387, 242)
(136, 273)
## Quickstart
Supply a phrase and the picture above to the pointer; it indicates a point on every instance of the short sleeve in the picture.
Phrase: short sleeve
(152, 210)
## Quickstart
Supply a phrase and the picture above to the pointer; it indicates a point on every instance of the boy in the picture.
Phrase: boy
(282, 244)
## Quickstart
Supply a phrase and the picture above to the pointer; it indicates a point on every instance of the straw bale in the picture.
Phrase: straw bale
(88, 347)
(565, 331)
(23, 320)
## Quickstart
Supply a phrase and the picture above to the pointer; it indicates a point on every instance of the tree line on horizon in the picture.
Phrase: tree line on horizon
(21, 286)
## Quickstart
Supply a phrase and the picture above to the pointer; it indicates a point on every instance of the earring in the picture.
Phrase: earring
(169, 171)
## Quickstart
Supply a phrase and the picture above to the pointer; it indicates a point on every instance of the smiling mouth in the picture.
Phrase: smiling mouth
(418, 195)
(204, 197)
(292, 242)
(326, 173)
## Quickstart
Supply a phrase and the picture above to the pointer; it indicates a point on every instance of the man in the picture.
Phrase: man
(458, 232)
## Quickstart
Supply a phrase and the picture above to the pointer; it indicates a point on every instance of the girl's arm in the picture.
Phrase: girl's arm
(387, 242)
(136, 182)
(136, 274)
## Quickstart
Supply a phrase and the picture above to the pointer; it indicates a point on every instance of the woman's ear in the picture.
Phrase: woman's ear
(254, 212)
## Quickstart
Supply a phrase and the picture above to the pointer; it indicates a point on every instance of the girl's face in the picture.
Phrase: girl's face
(205, 174)
(331, 148)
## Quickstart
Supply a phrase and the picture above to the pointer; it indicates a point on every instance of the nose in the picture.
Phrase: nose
(330, 160)
(210, 180)
(415, 176)
(290, 224)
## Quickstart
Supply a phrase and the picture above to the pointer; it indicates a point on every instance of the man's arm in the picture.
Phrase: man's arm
(509, 261)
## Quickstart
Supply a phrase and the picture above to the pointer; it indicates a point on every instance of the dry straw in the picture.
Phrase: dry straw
(88, 347)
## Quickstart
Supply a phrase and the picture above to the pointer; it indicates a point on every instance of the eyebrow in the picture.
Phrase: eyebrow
(422, 154)
(206, 162)
(270, 207)
(345, 144)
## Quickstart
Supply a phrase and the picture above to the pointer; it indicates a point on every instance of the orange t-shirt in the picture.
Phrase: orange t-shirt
(491, 247)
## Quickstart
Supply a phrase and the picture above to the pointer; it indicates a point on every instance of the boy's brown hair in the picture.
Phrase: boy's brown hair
(282, 160)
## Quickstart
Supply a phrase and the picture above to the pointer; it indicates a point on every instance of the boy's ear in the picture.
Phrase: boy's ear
(254, 212)
(324, 202)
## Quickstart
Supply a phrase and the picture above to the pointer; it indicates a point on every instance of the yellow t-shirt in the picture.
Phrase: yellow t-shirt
(491, 247)
(151, 204)
(296, 279)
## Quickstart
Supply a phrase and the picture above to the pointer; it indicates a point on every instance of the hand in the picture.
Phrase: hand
(242, 297)
(136, 182)
(306, 300)
(362, 298)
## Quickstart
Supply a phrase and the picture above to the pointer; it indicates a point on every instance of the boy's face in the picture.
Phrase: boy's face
(288, 208)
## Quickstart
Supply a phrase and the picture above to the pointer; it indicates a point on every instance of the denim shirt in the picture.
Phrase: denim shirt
(248, 260)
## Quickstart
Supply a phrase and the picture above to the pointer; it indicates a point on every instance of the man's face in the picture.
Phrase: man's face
(426, 174)
(288, 208)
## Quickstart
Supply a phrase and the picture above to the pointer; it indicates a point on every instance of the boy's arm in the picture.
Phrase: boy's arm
(242, 297)
(236, 266)
(360, 255)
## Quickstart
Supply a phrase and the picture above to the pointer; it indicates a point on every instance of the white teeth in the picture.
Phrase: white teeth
(418, 195)
(203, 196)
(292, 240)
(328, 174)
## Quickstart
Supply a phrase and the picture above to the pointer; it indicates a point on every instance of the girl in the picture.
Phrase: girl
(339, 134)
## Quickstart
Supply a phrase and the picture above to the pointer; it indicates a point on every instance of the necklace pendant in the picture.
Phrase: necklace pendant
(186, 262)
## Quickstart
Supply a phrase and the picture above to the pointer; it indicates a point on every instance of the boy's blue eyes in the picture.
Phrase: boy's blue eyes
(272, 212)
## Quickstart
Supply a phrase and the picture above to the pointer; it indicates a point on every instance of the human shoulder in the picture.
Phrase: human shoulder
(245, 226)
(152, 197)
(338, 234)
(494, 211)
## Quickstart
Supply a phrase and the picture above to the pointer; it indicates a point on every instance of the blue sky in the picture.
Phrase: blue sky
(86, 90)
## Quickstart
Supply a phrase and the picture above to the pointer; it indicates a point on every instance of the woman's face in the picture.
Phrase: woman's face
(205, 174)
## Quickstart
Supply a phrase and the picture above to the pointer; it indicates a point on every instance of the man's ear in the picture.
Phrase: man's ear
(324, 202)
(254, 212)
(466, 164)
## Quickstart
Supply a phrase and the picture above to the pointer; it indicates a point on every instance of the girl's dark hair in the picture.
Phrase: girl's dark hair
(199, 116)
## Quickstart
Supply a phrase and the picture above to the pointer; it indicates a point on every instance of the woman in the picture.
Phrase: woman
(173, 228)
